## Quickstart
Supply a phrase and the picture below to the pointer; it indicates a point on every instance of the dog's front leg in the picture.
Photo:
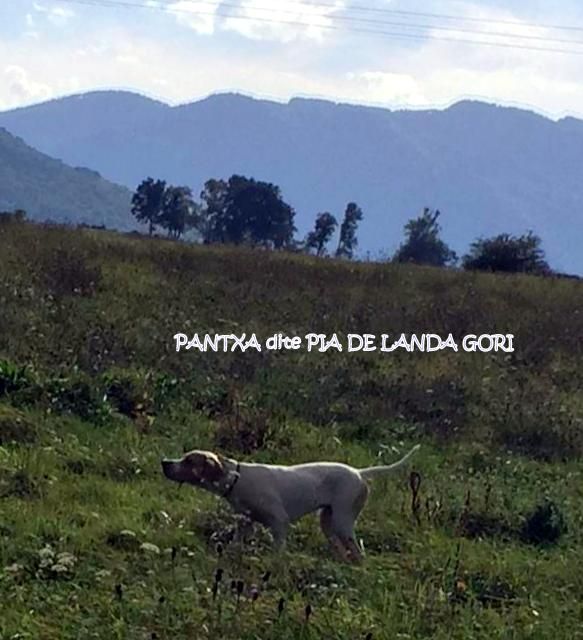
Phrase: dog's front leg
(277, 522)
(279, 532)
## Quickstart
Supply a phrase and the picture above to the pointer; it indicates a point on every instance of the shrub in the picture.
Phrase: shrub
(545, 525)
(10, 217)
(126, 392)
(244, 431)
(522, 254)
(14, 377)
(78, 397)
(134, 392)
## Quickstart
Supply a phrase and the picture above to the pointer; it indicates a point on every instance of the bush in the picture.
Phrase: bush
(14, 378)
(78, 397)
(545, 525)
(126, 392)
(134, 393)
(522, 254)
(10, 217)
(243, 431)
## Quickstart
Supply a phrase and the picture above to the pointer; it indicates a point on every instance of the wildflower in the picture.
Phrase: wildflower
(150, 548)
(102, 573)
(13, 570)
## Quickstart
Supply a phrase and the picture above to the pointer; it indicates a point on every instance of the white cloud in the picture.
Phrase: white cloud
(283, 20)
(199, 16)
(17, 88)
(57, 15)
(280, 20)
(387, 87)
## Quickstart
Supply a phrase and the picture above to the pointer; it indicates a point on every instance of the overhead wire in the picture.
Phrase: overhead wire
(219, 12)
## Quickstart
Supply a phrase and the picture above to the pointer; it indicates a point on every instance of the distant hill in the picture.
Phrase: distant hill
(47, 189)
(489, 169)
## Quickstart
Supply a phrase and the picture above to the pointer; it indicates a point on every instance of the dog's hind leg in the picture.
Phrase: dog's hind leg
(343, 517)
(328, 530)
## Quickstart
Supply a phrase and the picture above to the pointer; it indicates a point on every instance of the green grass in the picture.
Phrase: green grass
(92, 395)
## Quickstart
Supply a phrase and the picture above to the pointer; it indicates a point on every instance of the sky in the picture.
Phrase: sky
(375, 52)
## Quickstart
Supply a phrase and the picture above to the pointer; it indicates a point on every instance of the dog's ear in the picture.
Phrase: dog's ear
(214, 469)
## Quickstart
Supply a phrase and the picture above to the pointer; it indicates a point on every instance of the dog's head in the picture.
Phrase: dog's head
(199, 468)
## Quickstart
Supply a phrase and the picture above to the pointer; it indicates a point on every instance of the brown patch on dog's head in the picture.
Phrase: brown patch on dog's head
(195, 467)
(205, 465)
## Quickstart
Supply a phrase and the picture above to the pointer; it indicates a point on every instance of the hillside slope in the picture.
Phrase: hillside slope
(489, 169)
(96, 543)
(48, 189)
(136, 294)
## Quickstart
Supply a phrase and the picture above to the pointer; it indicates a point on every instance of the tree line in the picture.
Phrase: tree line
(243, 210)
(238, 211)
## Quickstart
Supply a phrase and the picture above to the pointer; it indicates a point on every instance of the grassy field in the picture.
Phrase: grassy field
(94, 543)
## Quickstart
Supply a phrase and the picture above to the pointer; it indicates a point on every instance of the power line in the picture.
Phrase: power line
(390, 23)
(420, 14)
(391, 34)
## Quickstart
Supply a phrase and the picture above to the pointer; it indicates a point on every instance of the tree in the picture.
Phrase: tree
(347, 242)
(178, 211)
(324, 228)
(245, 210)
(423, 244)
(148, 202)
(517, 254)
(212, 223)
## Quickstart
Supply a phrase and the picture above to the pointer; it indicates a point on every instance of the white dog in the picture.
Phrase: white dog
(277, 495)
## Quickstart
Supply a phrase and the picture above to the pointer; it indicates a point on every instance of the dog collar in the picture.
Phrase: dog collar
(232, 485)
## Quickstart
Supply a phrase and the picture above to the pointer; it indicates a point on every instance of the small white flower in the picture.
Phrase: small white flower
(13, 569)
(102, 573)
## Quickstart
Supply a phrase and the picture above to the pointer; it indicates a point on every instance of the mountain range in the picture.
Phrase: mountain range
(48, 189)
(488, 169)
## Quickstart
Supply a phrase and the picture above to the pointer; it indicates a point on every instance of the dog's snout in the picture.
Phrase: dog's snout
(167, 466)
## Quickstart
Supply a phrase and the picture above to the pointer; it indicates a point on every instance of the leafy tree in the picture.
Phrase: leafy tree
(324, 228)
(423, 244)
(244, 210)
(212, 222)
(178, 211)
(148, 202)
(347, 242)
(517, 254)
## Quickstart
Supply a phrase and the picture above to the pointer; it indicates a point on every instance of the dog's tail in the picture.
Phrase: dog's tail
(371, 472)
